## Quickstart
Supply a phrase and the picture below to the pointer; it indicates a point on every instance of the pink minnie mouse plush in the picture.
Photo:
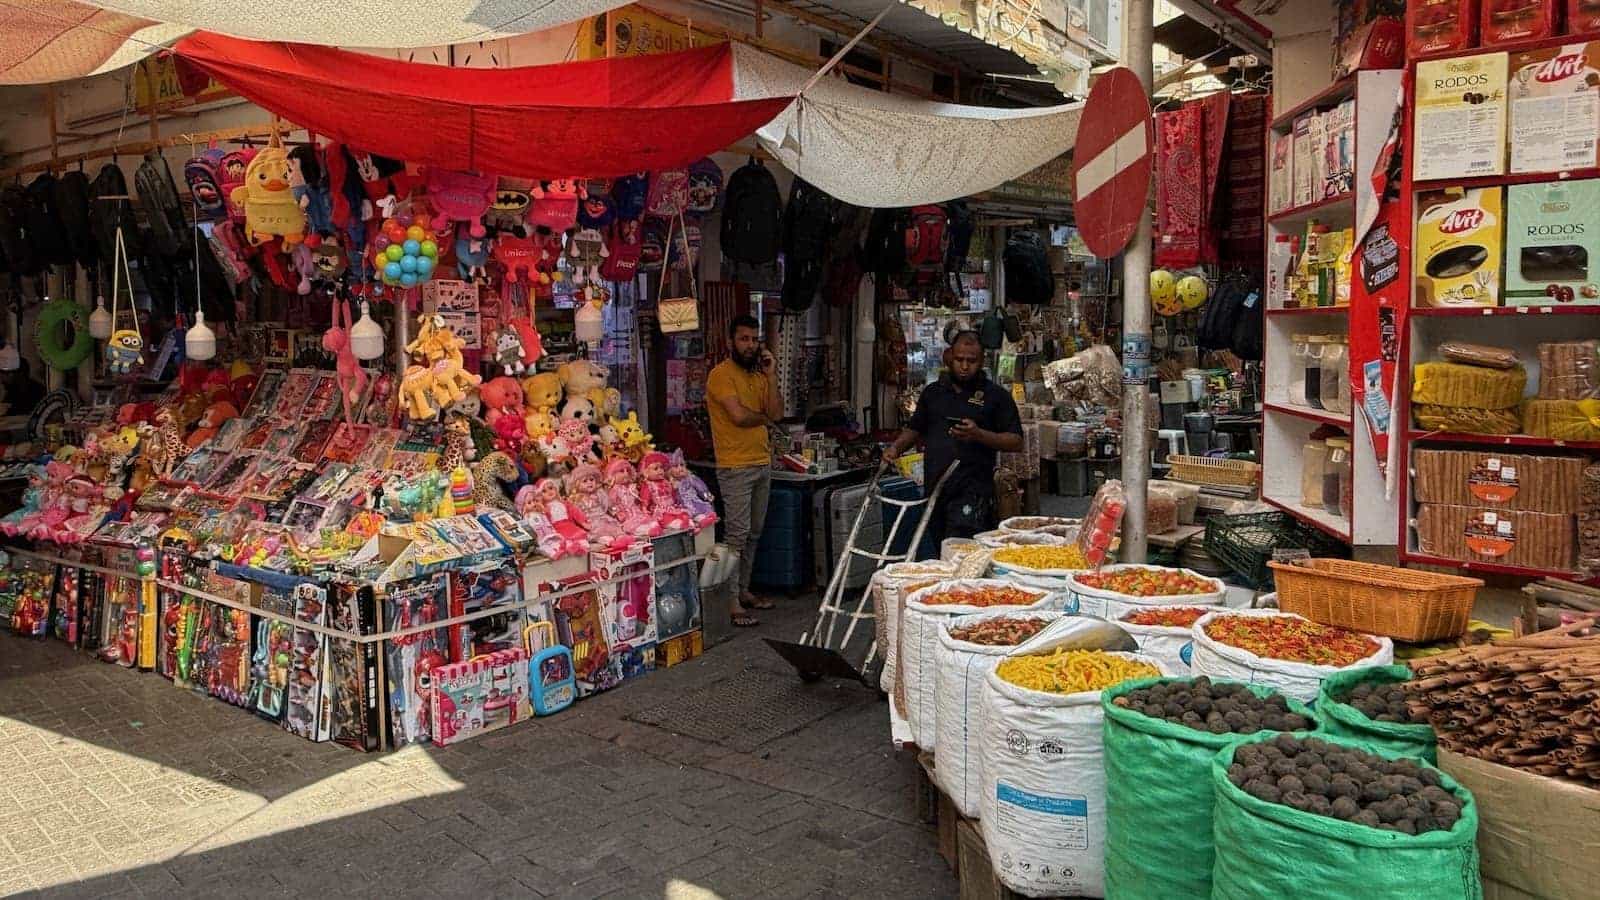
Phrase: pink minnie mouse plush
(692, 493)
(626, 505)
(660, 498)
(461, 197)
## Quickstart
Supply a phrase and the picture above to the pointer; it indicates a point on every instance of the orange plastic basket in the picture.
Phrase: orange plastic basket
(1404, 604)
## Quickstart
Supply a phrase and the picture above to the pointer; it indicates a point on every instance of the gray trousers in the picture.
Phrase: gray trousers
(744, 500)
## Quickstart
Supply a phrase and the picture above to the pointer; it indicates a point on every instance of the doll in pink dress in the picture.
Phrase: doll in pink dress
(693, 495)
(545, 513)
(660, 497)
(627, 505)
(589, 507)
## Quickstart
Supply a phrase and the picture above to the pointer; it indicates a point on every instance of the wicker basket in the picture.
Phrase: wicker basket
(1211, 470)
(1404, 604)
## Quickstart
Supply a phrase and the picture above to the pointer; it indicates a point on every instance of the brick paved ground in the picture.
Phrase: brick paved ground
(114, 783)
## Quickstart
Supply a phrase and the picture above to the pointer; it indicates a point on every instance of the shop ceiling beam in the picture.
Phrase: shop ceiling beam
(261, 130)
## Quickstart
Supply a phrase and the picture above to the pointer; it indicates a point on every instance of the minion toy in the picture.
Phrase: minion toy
(124, 351)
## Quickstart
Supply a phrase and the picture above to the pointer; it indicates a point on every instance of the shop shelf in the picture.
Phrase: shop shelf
(1491, 568)
(1508, 179)
(1316, 518)
(1555, 40)
(1314, 415)
(1328, 96)
(1306, 211)
(1311, 311)
(1501, 440)
(1481, 311)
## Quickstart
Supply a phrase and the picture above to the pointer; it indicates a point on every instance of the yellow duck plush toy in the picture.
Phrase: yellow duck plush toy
(270, 209)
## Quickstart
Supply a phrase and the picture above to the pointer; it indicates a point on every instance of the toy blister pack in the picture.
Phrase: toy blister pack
(480, 695)
(677, 586)
(353, 669)
(627, 590)
(310, 708)
(271, 654)
(473, 591)
(222, 642)
(581, 627)
(119, 602)
(409, 660)
(26, 591)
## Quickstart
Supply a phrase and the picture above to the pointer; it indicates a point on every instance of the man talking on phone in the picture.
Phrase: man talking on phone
(963, 417)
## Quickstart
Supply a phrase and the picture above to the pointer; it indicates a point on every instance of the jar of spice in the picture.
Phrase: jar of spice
(1297, 370)
(1313, 458)
(1334, 390)
(1335, 475)
(1311, 366)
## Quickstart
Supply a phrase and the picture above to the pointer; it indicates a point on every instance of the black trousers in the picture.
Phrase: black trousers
(965, 508)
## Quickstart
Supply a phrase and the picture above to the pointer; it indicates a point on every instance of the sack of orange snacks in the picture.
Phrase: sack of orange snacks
(925, 611)
(1110, 591)
(1282, 650)
(1164, 632)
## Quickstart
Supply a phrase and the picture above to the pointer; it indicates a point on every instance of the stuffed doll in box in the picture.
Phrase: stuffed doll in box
(693, 495)
(622, 489)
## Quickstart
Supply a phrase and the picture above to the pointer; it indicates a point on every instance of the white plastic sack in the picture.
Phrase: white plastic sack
(1043, 806)
(1002, 538)
(954, 550)
(1113, 605)
(888, 604)
(1298, 680)
(1174, 647)
(1034, 523)
(919, 634)
(960, 668)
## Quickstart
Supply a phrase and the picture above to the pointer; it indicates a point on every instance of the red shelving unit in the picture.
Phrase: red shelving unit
(1332, 525)
(1482, 311)
(1494, 569)
(1331, 95)
(1503, 440)
(1306, 211)
(1340, 311)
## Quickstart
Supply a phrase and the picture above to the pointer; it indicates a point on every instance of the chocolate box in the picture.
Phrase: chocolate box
(1490, 479)
(1440, 26)
(1459, 129)
(1458, 247)
(1503, 21)
(1554, 96)
(1583, 16)
(1498, 536)
(1553, 243)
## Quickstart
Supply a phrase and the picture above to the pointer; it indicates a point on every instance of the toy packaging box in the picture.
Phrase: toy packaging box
(409, 660)
(480, 695)
(353, 669)
(1554, 94)
(1460, 122)
(272, 642)
(309, 710)
(220, 653)
(1458, 247)
(581, 627)
(475, 590)
(677, 587)
(625, 583)
(1553, 243)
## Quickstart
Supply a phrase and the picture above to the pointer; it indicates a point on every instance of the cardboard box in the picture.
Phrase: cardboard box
(1280, 192)
(1339, 150)
(1554, 95)
(1306, 184)
(1458, 247)
(1503, 21)
(1537, 836)
(1553, 243)
(680, 649)
(1583, 17)
(1499, 536)
(1460, 117)
(1440, 26)
(1491, 479)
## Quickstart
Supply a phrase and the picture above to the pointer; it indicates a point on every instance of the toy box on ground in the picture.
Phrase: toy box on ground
(636, 661)
(1458, 247)
(581, 627)
(1553, 243)
(1554, 95)
(680, 649)
(626, 587)
(489, 585)
(1460, 127)
(480, 695)
(353, 669)
(409, 660)
(677, 586)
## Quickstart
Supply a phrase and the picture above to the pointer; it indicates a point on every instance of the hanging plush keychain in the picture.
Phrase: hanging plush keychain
(352, 379)
(270, 207)
(125, 347)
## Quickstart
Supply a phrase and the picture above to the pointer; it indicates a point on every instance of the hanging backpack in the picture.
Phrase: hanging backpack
(669, 193)
(234, 165)
(625, 241)
(752, 215)
(959, 226)
(44, 224)
(1246, 342)
(108, 214)
(925, 243)
(14, 232)
(885, 250)
(72, 209)
(705, 187)
(1028, 275)
(652, 243)
(807, 226)
(203, 174)
(1231, 319)
(158, 197)
(628, 195)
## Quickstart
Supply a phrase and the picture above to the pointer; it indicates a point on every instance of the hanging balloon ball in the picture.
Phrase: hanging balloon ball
(430, 249)
(408, 279)
(403, 219)
(393, 270)
(395, 251)
(415, 232)
(1193, 291)
(381, 242)
(409, 264)
(412, 247)
(424, 266)
(1164, 293)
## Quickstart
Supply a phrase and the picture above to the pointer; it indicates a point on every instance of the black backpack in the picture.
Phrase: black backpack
(106, 215)
(72, 209)
(885, 251)
(1231, 319)
(959, 225)
(807, 223)
(752, 215)
(44, 225)
(158, 196)
(14, 240)
(1028, 275)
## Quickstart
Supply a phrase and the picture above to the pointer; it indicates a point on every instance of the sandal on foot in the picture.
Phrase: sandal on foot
(744, 620)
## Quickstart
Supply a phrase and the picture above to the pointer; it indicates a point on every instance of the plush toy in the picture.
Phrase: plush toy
(576, 443)
(518, 255)
(509, 433)
(634, 441)
(586, 494)
(488, 476)
(461, 197)
(627, 507)
(351, 378)
(509, 211)
(548, 267)
(693, 495)
(124, 351)
(543, 391)
(472, 258)
(211, 421)
(508, 350)
(501, 397)
(587, 250)
(381, 405)
(540, 425)
(578, 408)
(309, 185)
(231, 180)
(270, 207)
(167, 446)
(658, 494)
(470, 406)
(416, 393)
(581, 376)
(624, 239)
(555, 204)
(458, 446)
(607, 402)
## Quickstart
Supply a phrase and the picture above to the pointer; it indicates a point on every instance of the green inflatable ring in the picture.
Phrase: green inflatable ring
(47, 335)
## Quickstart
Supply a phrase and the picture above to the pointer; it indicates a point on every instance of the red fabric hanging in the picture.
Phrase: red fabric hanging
(1180, 187)
(593, 119)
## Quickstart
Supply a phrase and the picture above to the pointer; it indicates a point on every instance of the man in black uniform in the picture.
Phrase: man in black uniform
(963, 417)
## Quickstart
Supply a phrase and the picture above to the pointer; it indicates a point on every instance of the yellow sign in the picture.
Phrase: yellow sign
(639, 32)
(165, 88)
(1050, 183)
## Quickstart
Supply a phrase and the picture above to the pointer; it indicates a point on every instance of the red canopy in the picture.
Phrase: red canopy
(599, 118)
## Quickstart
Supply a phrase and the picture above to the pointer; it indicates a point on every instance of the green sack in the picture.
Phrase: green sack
(1268, 850)
(1343, 720)
(1158, 798)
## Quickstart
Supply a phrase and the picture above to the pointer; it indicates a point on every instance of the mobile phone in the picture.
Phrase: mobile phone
(953, 421)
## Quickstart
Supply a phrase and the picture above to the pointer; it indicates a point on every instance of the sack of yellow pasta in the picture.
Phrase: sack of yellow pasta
(1562, 420)
(1042, 803)
(1465, 419)
(1455, 384)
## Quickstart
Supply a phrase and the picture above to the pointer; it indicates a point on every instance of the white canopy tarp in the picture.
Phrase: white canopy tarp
(886, 150)
(55, 40)
(365, 23)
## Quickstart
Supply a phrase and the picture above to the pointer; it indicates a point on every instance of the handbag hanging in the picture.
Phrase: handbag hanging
(678, 314)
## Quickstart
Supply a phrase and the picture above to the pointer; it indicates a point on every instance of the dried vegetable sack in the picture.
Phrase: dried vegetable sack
(1270, 850)
(1173, 645)
(1042, 806)
(1298, 680)
(959, 671)
(919, 635)
(1569, 370)
(1111, 604)
(888, 605)
(1339, 718)
(1159, 798)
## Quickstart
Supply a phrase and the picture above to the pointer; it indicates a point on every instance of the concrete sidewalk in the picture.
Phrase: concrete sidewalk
(115, 783)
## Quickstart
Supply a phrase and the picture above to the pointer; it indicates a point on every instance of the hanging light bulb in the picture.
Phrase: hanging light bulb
(588, 325)
(200, 342)
(100, 320)
(366, 336)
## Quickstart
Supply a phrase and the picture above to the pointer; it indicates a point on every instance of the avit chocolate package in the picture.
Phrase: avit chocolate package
(1554, 96)
(1458, 247)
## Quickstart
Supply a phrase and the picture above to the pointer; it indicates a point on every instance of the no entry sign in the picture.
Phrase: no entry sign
(1112, 159)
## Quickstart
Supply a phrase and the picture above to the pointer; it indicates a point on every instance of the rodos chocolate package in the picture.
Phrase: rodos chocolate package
(1553, 243)
(1460, 125)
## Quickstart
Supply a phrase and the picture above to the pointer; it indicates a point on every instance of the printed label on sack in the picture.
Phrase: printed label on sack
(1491, 535)
(1491, 481)
(1187, 653)
(1045, 821)
(1085, 605)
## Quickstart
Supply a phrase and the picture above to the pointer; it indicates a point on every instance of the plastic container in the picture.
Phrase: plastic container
(1311, 369)
(1313, 457)
(1335, 472)
(1298, 349)
(1335, 383)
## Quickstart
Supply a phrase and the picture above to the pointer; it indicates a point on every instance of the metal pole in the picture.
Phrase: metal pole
(1136, 319)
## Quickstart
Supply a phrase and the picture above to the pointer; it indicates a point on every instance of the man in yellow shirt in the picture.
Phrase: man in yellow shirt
(742, 398)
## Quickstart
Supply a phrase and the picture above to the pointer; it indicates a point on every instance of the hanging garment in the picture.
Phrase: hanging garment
(1180, 191)
(1245, 181)
(1214, 121)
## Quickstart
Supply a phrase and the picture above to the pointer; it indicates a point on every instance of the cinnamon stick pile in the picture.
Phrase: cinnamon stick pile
(1531, 702)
